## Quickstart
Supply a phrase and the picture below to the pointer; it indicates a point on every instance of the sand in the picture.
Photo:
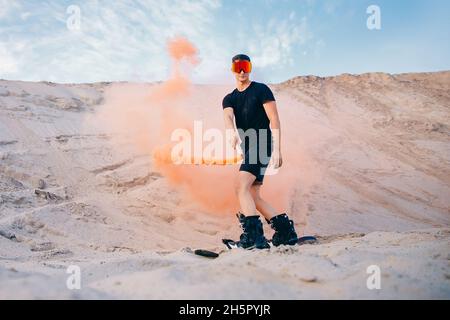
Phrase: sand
(370, 155)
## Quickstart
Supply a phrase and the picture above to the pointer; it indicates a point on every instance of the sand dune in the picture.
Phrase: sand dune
(367, 169)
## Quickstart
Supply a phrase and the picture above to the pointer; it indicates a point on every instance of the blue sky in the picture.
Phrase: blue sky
(126, 40)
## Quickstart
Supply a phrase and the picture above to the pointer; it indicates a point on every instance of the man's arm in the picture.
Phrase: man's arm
(228, 117)
(272, 113)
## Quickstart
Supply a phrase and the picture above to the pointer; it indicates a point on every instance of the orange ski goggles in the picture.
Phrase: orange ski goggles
(243, 65)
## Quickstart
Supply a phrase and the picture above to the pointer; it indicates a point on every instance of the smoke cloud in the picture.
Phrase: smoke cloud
(149, 113)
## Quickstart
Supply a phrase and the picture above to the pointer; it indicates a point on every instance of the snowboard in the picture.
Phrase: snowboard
(231, 244)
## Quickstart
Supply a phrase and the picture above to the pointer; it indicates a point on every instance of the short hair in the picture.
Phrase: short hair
(240, 57)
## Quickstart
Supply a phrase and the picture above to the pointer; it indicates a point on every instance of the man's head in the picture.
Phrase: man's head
(241, 67)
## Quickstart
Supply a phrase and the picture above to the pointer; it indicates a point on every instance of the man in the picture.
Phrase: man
(253, 107)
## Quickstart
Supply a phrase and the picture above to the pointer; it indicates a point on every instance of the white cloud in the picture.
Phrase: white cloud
(330, 6)
(7, 7)
(25, 15)
(118, 39)
(8, 64)
(126, 40)
(274, 42)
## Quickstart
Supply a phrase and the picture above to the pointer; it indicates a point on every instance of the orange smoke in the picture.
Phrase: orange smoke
(181, 48)
(148, 115)
(163, 156)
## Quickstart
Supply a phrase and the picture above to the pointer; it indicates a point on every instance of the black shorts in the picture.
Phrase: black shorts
(258, 167)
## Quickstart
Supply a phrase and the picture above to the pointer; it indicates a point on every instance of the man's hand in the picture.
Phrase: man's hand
(276, 160)
(228, 116)
(233, 140)
(272, 113)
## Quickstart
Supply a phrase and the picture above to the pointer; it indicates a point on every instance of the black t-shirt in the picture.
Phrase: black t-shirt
(248, 106)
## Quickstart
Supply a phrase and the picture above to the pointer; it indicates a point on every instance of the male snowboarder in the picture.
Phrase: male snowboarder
(253, 108)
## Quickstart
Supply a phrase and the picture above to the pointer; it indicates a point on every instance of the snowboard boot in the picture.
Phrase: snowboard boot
(284, 230)
(253, 233)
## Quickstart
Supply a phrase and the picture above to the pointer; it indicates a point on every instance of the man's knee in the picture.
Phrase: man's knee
(254, 190)
(244, 186)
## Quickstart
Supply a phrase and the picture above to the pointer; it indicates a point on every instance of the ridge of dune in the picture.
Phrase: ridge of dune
(371, 154)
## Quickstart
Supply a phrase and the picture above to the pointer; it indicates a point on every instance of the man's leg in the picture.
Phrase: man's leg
(284, 228)
(261, 205)
(252, 229)
(245, 181)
